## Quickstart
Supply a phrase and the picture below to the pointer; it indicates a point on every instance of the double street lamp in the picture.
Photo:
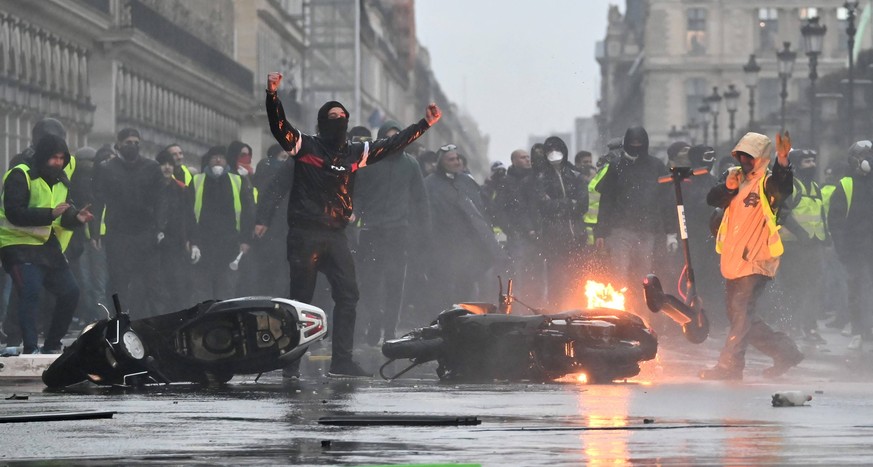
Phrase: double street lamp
(714, 101)
(813, 36)
(751, 71)
(786, 58)
(732, 103)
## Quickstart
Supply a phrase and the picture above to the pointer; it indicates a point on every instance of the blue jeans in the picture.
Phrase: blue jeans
(29, 280)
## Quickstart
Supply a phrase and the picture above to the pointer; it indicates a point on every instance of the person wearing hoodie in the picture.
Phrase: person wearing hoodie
(850, 219)
(464, 247)
(35, 206)
(635, 211)
(177, 250)
(562, 200)
(320, 206)
(131, 189)
(750, 246)
(392, 210)
(239, 158)
(804, 234)
(223, 215)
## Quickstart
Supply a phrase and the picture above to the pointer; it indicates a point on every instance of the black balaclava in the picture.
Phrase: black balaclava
(636, 142)
(49, 145)
(332, 131)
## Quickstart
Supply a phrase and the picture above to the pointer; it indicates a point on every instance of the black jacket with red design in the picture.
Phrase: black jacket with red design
(322, 178)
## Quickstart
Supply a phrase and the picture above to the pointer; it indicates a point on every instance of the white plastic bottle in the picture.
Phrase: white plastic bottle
(790, 398)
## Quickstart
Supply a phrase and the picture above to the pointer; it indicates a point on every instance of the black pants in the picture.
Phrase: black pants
(327, 252)
(382, 259)
(134, 262)
(175, 277)
(859, 271)
(747, 328)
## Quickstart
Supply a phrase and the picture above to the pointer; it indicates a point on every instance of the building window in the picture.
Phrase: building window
(807, 13)
(768, 26)
(695, 92)
(695, 39)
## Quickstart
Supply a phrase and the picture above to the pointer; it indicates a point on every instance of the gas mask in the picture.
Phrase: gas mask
(555, 157)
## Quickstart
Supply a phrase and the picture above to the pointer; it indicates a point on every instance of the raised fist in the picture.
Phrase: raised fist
(273, 80)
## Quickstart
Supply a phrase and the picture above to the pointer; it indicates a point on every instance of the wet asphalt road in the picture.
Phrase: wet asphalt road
(665, 416)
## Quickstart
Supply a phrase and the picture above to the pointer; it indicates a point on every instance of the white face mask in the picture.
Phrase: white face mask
(865, 166)
(242, 171)
(217, 170)
(555, 156)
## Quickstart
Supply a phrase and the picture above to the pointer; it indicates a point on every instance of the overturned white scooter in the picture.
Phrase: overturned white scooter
(208, 343)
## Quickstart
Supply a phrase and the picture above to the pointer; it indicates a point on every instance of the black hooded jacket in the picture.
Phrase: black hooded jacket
(562, 198)
(16, 196)
(322, 178)
(631, 197)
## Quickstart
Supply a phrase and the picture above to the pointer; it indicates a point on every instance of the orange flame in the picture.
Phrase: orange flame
(604, 295)
(582, 378)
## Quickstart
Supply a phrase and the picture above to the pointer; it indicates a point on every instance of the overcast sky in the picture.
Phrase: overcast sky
(520, 68)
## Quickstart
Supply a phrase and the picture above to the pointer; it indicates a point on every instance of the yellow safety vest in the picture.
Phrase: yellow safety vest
(41, 196)
(848, 187)
(826, 192)
(809, 212)
(590, 217)
(774, 242)
(186, 175)
(236, 184)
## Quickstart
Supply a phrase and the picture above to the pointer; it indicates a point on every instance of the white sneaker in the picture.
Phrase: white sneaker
(855, 343)
(847, 330)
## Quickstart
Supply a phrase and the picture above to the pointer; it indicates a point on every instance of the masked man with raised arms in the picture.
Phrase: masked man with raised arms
(320, 207)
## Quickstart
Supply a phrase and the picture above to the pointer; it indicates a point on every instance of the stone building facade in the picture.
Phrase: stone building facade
(193, 71)
(661, 58)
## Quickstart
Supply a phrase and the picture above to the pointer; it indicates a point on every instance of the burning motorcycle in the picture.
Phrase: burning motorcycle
(484, 342)
(208, 343)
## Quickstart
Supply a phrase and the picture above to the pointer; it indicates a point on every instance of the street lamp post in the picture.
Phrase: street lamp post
(693, 130)
(813, 36)
(786, 58)
(751, 71)
(731, 102)
(851, 6)
(714, 101)
(704, 121)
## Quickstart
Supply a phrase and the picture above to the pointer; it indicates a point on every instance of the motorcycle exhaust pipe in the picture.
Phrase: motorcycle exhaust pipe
(692, 318)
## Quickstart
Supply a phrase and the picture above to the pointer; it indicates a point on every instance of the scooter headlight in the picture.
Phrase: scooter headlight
(133, 345)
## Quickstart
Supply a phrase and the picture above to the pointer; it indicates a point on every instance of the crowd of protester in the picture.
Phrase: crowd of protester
(424, 233)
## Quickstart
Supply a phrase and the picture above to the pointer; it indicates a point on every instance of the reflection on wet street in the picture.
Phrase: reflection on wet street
(664, 417)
